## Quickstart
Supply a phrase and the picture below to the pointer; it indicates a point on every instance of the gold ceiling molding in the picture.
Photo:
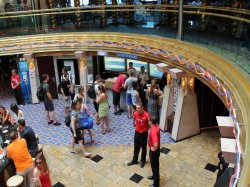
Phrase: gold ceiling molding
(235, 79)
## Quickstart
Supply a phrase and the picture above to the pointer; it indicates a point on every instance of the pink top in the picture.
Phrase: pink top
(118, 83)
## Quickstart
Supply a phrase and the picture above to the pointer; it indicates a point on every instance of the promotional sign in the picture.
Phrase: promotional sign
(123, 55)
(25, 82)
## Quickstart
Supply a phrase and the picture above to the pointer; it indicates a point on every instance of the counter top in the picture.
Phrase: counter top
(109, 83)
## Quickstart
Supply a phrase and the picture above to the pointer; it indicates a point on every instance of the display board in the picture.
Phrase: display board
(25, 82)
(114, 64)
(154, 71)
(137, 64)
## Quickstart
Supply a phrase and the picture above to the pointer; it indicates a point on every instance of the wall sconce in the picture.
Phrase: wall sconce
(169, 80)
(31, 64)
(183, 84)
(83, 63)
(191, 85)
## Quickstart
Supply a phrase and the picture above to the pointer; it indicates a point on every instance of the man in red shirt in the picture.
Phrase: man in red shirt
(141, 135)
(117, 88)
(154, 144)
(16, 86)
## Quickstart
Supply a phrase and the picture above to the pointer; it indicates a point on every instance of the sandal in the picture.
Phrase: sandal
(129, 117)
(74, 151)
(107, 130)
(88, 155)
(103, 132)
(92, 142)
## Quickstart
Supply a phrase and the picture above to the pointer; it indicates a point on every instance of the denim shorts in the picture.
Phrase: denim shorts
(128, 99)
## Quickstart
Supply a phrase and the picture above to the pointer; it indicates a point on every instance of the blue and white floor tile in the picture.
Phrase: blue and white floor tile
(122, 130)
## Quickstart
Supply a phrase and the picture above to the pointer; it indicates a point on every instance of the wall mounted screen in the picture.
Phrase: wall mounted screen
(114, 64)
(154, 71)
(137, 64)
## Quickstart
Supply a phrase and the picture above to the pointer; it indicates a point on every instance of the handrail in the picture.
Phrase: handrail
(200, 10)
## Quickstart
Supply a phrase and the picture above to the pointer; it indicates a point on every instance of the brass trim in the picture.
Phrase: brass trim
(235, 79)
(199, 10)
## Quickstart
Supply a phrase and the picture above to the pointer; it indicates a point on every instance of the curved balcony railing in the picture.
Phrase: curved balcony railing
(225, 31)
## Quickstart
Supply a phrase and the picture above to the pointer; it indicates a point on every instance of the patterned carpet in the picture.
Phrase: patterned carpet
(122, 130)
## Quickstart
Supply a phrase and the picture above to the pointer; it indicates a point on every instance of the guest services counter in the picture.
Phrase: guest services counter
(110, 82)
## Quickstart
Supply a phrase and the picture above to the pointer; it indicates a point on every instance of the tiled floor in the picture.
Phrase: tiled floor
(182, 166)
(122, 130)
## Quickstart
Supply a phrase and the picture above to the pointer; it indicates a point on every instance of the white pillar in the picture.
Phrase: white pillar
(82, 65)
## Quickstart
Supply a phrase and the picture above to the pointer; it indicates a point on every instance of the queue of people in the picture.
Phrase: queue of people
(77, 110)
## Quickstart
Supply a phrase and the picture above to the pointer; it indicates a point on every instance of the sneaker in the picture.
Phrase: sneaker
(50, 122)
(131, 163)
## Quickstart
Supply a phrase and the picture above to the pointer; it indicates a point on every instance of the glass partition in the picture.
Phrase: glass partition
(225, 31)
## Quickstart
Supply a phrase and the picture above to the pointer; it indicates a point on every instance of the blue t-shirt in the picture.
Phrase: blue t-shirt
(30, 137)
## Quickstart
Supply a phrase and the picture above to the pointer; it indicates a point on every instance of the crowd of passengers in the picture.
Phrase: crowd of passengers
(144, 111)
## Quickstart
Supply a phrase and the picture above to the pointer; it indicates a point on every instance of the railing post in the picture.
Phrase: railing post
(180, 21)
(78, 14)
(103, 20)
(173, 17)
(114, 14)
(53, 16)
(128, 15)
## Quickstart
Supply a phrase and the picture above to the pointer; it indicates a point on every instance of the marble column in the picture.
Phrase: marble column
(32, 77)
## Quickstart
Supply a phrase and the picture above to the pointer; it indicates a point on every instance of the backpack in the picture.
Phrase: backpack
(67, 121)
(59, 88)
(40, 93)
(91, 91)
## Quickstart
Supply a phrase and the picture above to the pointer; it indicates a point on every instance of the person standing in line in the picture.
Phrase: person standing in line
(48, 101)
(29, 135)
(136, 100)
(142, 93)
(18, 152)
(97, 82)
(117, 88)
(163, 82)
(71, 80)
(143, 75)
(41, 172)
(153, 93)
(131, 68)
(154, 144)
(80, 94)
(103, 110)
(16, 86)
(128, 86)
(141, 135)
(65, 90)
